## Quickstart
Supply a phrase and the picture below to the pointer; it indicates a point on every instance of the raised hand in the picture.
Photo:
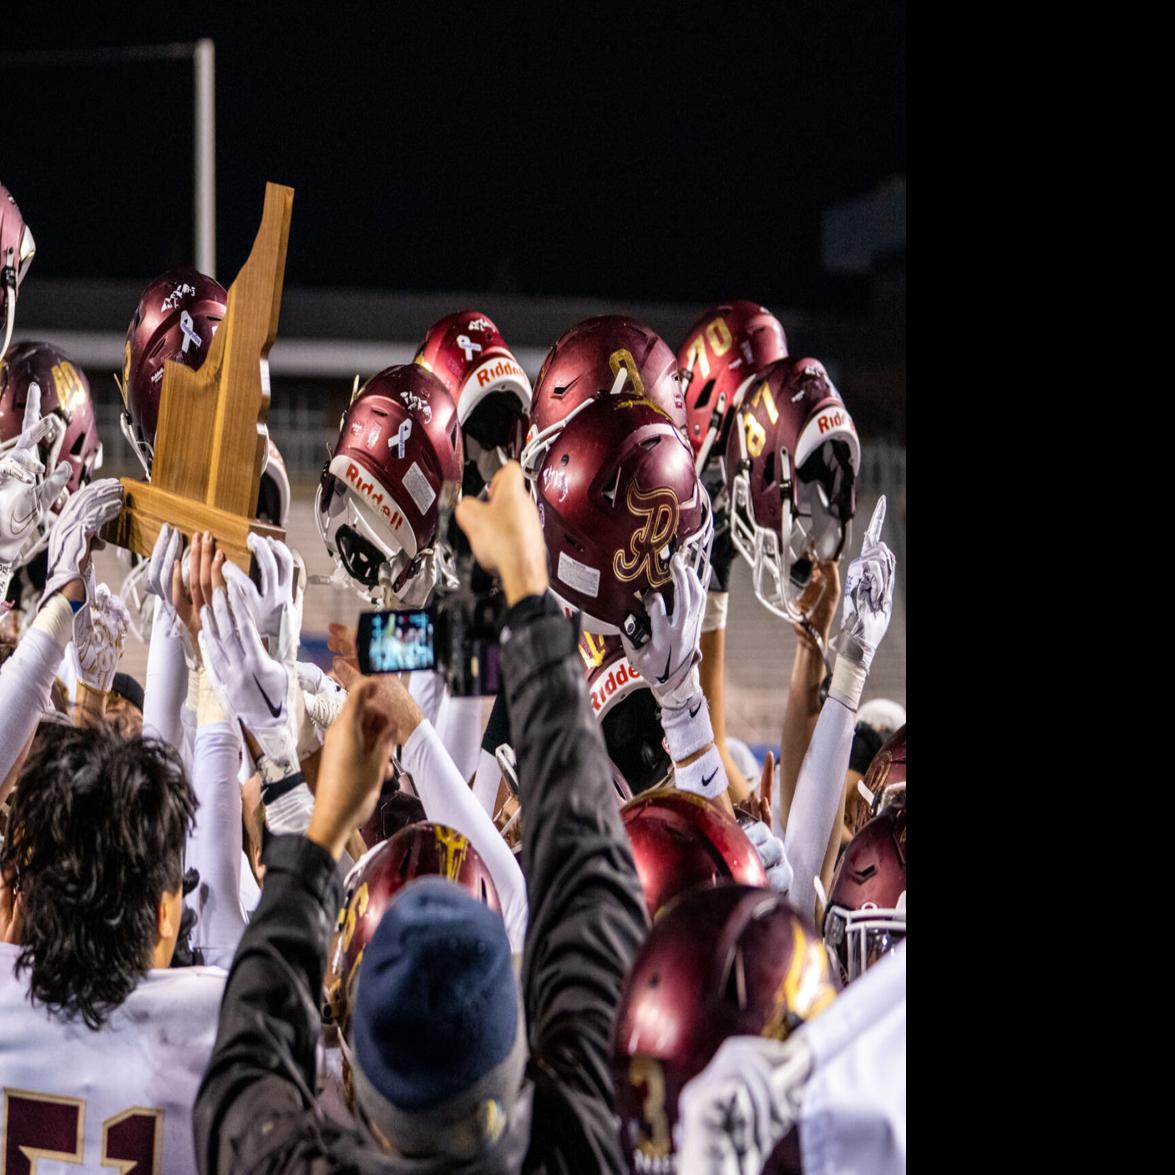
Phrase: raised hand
(323, 696)
(354, 760)
(276, 610)
(76, 529)
(99, 635)
(26, 494)
(251, 684)
(203, 573)
(868, 601)
(668, 658)
(505, 535)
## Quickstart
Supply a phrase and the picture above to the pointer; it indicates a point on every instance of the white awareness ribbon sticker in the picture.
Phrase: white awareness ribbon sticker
(468, 346)
(189, 329)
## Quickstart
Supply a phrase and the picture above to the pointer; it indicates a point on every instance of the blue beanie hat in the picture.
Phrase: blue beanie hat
(437, 1007)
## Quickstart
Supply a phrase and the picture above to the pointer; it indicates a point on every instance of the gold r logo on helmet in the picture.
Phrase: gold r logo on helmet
(660, 510)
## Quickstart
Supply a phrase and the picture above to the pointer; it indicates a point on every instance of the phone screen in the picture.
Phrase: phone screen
(396, 641)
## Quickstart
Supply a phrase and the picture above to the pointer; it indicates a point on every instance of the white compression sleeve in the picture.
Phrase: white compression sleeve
(460, 728)
(428, 688)
(487, 781)
(818, 791)
(214, 847)
(448, 800)
(167, 683)
(27, 675)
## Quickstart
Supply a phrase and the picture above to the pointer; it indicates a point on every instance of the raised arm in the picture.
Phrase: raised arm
(587, 915)
(27, 675)
(868, 604)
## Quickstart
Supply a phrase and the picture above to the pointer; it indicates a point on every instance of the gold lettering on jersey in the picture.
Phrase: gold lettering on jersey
(661, 511)
(452, 847)
(71, 392)
(623, 358)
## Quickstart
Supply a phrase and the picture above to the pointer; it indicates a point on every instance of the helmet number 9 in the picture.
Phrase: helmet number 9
(655, 1138)
(623, 358)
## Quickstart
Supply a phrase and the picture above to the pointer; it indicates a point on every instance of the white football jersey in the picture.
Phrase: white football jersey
(75, 1100)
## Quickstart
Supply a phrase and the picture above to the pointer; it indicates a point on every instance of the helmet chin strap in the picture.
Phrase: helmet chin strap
(8, 283)
(137, 446)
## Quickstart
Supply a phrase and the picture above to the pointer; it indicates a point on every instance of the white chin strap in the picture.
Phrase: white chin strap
(139, 447)
(140, 604)
(535, 449)
(9, 319)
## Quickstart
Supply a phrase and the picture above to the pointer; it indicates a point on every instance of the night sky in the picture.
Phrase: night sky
(671, 152)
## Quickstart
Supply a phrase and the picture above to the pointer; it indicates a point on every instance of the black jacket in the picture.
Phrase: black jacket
(255, 1110)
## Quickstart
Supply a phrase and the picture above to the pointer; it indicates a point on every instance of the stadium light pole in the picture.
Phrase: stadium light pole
(205, 169)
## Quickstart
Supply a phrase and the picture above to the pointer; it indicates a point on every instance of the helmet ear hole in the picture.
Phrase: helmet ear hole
(736, 981)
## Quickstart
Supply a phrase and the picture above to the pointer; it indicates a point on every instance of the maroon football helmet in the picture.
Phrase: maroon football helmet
(17, 250)
(611, 355)
(467, 353)
(617, 497)
(396, 467)
(65, 394)
(866, 913)
(611, 676)
(732, 960)
(681, 840)
(419, 850)
(884, 779)
(176, 318)
(792, 460)
(718, 359)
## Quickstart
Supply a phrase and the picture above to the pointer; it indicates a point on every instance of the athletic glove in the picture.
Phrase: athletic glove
(868, 606)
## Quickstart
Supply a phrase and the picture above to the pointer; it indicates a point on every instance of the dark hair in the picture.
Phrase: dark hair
(96, 836)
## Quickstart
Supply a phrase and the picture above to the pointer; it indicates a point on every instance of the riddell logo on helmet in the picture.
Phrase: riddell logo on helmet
(621, 674)
(374, 498)
(500, 369)
(831, 420)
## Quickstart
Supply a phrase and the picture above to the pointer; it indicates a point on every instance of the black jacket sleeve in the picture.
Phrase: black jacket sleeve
(587, 914)
(254, 1110)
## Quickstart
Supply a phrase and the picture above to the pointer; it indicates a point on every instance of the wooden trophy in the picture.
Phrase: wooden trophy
(211, 440)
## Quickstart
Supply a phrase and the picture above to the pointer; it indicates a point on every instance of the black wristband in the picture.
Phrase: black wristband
(275, 791)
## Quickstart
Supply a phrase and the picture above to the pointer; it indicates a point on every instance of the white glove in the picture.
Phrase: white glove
(868, 598)
(771, 853)
(99, 634)
(26, 494)
(277, 613)
(868, 606)
(323, 696)
(250, 683)
(668, 659)
(84, 515)
(157, 582)
(734, 1113)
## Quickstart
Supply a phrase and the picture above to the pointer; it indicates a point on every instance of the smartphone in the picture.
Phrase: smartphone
(392, 641)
